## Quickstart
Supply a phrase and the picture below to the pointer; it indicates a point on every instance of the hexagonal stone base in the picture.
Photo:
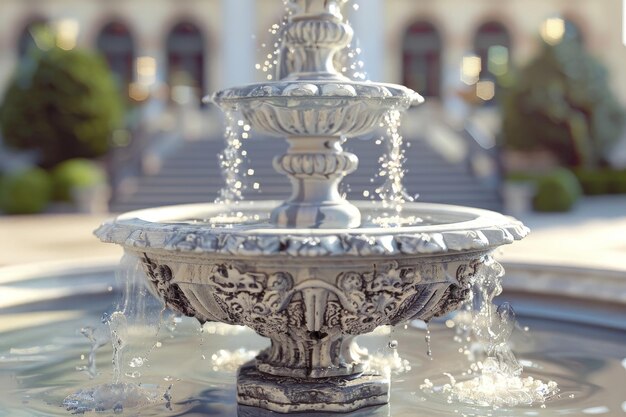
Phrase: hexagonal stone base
(292, 395)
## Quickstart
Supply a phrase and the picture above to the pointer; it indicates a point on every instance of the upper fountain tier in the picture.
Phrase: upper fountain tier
(313, 98)
(314, 106)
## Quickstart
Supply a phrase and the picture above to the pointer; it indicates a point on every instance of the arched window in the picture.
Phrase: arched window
(27, 38)
(185, 57)
(422, 59)
(492, 44)
(116, 43)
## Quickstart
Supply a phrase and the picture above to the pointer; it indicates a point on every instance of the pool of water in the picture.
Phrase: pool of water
(191, 370)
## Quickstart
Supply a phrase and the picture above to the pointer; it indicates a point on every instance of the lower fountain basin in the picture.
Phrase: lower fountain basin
(312, 291)
(577, 343)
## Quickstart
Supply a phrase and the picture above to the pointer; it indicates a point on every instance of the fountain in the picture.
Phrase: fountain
(316, 271)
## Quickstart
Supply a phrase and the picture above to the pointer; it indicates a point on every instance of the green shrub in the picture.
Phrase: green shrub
(63, 104)
(25, 192)
(602, 182)
(75, 174)
(521, 176)
(557, 191)
(562, 102)
(618, 185)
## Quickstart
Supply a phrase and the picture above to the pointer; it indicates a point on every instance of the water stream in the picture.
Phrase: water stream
(125, 328)
(391, 192)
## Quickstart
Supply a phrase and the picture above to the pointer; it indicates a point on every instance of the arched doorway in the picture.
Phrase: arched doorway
(422, 59)
(26, 40)
(185, 57)
(492, 43)
(116, 43)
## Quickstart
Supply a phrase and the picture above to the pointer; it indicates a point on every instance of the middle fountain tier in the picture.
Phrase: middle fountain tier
(315, 272)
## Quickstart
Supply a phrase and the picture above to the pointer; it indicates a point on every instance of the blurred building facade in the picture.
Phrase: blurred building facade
(209, 44)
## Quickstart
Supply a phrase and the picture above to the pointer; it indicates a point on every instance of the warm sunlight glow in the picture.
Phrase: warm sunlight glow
(470, 69)
(66, 33)
(553, 30)
(485, 90)
(146, 67)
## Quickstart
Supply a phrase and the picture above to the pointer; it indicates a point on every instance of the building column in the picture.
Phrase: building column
(368, 23)
(237, 42)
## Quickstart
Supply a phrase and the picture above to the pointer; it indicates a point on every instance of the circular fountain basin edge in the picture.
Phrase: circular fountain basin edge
(447, 229)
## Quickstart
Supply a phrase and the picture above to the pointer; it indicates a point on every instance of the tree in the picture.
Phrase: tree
(62, 103)
(562, 102)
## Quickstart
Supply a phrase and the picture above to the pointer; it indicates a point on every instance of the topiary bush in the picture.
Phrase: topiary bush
(75, 174)
(63, 104)
(25, 192)
(562, 102)
(557, 192)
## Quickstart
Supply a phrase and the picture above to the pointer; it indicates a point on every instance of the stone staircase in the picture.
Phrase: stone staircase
(190, 174)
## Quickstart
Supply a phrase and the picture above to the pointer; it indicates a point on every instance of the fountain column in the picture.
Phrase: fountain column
(238, 48)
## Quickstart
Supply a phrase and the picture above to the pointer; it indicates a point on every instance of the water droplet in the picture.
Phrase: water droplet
(136, 362)
(429, 350)
(393, 344)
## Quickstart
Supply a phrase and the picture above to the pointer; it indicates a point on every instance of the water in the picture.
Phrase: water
(39, 360)
(499, 379)
(231, 160)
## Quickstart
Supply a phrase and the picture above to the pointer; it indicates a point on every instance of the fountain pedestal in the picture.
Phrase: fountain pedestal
(292, 395)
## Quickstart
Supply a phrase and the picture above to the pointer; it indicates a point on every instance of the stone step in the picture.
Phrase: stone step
(191, 174)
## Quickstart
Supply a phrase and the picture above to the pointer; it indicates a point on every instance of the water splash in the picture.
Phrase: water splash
(118, 395)
(119, 335)
(387, 364)
(500, 382)
(230, 360)
(110, 397)
(98, 339)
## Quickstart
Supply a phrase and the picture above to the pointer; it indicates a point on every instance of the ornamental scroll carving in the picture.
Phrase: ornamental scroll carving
(355, 303)
(171, 294)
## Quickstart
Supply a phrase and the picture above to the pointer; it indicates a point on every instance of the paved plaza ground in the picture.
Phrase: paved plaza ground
(593, 236)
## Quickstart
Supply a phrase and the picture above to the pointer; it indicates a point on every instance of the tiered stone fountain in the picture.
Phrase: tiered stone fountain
(318, 272)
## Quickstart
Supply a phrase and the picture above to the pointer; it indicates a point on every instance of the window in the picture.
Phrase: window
(116, 43)
(185, 57)
(422, 59)
(492, 44)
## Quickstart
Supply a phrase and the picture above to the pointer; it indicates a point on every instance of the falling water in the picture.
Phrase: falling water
(499, 382)
(231, 160)
(392, 192)
(349, 61)
(119, 395)
(427, 339)
(97, 338)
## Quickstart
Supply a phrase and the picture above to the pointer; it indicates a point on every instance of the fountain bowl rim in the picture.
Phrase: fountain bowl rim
(387, 91)
(164, 229)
